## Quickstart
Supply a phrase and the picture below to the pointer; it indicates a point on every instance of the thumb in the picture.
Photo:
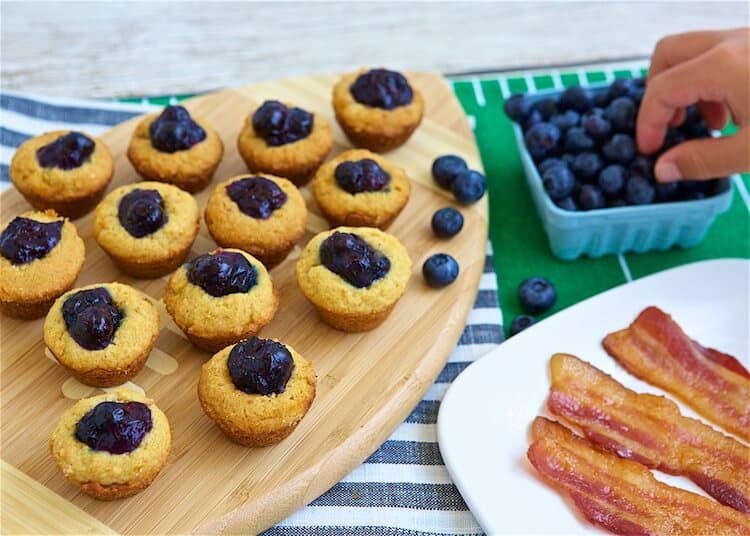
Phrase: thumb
(706, 158)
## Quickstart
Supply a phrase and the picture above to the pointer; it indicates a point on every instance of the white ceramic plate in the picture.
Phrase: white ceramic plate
(485, 415)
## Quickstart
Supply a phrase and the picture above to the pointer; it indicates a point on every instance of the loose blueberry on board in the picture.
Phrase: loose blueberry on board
(621, 114)
(469, 187)
(67, 152)
(115, 427)
(590, 197)
(537, 295)
(550, 163)
(639, 191)
(141, 212)
(517, 107)
(577, 141)
(520, 323)
(381, 88)
(666, 191)
(575, 98)
(566, 203)
(354, 260)
(260, 366)
(364, 175)
(92, 318)
(546, 107)
(587, 166)
(595, 125)
(279, 125)
(447, 222)
(174, 130)
(566, 119)
(446, 168)
(25, 240)
(440, 270)
(612, 179)
(222, 273)
(542, 140)
(256, 197)
(558, 182)
(620, 149)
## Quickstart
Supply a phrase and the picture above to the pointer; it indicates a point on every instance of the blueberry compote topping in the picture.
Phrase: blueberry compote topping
(174, 130)
(361, 176)
(141, 212)
(92, 318)
(117, 427)
(350, 257)
(260, 366)
(382, 88)
(222, 273)
(25, 240)
(279, 125)
(257, 197)
(66, 152)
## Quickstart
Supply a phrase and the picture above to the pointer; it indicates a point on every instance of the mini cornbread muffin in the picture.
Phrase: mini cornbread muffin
(286, 141)
(353, 276)
(261, 214)
(257, 391)
(177, 148)
(41, 256)
(377, 109)
(360, 188)
(147, 228)
(113, 445)
(220, 298)
(63, 170)
(102, 334)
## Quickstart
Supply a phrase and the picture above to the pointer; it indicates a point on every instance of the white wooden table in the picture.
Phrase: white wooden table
(123, 48)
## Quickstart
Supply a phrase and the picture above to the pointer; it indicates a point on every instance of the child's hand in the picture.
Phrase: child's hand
(712, 70)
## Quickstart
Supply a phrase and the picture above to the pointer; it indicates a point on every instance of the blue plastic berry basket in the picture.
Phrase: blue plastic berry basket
(610, 231)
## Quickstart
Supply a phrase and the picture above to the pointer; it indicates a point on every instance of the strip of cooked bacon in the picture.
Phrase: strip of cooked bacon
(649, 429)
(620, 495)
(714, 384)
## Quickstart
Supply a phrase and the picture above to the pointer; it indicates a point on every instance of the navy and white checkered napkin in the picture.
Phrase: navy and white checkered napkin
(403, 488)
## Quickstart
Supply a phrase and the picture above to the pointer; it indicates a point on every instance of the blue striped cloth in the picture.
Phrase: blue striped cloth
(403, 488)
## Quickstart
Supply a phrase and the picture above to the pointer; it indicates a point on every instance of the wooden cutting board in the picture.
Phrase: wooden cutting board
(367, 383)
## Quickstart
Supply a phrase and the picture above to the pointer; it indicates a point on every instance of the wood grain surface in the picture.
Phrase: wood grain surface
(150, 48)
(367, 383)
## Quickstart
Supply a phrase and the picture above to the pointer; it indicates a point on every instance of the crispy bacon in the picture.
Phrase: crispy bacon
(623, 496)
(649, 429)
(714, 384)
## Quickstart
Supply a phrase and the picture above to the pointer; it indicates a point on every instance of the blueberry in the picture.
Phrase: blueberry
(612, 179)
(537, 295)
(547, 107)
(221, 273)
(174, 130)
(298, 123)
(532, 119)
(66, 152)
(354, 260)
(587, 166)
(577, 141)
(91, 318)
(620, 149)
(364, 175)
(558, 182)
(517, 107)
(568, 158)
(566, 119)
(566, 203)
(644, 166)
(25, 240)
(621, 87)
(520, 323)
(673, 137)
(590, 197)
(639, 191)
(141, 212)
(666, 191)
(575, 98)
(542, 140)
(440, 270)
(694, 125)
(595, 125)
(279, 125)
(256, 197)
(447, 222)
(550, 163)
(381, 88)
(269, 117)
(621, 114)
(601, 99)
(446, 168)
(260, 366)
(469, 187)
(114, 427)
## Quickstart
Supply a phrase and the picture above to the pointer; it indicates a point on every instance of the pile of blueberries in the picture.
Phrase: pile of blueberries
(583, 143)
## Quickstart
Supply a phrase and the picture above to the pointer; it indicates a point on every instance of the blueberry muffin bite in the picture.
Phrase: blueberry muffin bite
(220, 298)
(261, 214)
(286, 141)
(41, 256)
(177, 148)
(360, 188)
(113, 445)
(353, 276)
(377, 109)
(102, 334)
(257, 391)
(64, 170)
(147, 228)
